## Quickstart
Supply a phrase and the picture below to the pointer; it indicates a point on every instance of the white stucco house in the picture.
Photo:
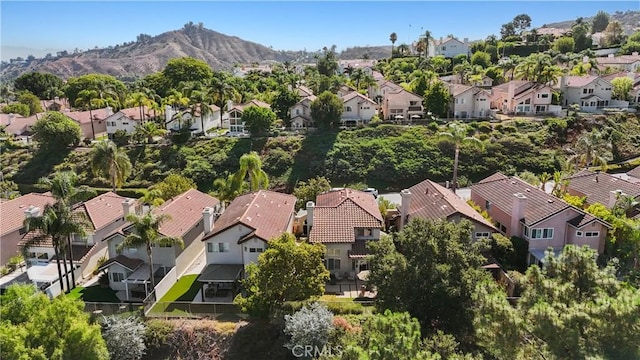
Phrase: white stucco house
(232, 118)
(468, 102)
(127, 120)
(175, 119)
(358, 109)
(448, 47)
(590, 92)
(300, 113)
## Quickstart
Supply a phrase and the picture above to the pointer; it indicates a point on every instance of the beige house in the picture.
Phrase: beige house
(396, 103)
(344, 220)
(127, 120)
(604, 189)
(232, 118)
(522, 97)
(358, 109)
(468, 102)
(622, 62)
(634, 94)
(192, 214)
(544, 221)
(241, 234)
(301, 113)
(83, 118)
(590, 92)
(13, 213)
(428, 200)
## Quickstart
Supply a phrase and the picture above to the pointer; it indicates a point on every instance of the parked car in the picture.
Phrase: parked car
(372, 191)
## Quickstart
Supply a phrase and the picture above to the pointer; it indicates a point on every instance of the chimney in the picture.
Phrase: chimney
(610, 56)
(465, 40)
(517, 213)
(128, 207)
(511, 91)
(613, 198)
(310, 206)
(405, 205)
(32, 211)
(207, 219)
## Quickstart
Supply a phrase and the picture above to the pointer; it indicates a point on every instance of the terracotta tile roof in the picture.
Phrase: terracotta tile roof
(22, 124)
(12, 211)
(103, 210)
(83, 117)
(185, 211)
(268, 213)
(355, 94)
(6, 118)
(129, 263)
(134, 113)
(458, 89)
(631, 75)
(429, 200)
(597, 187)
(540, 205)
(581, 220)
(496, 176)
(618, 60)
(80, 252)
(580, 81)
(338, 213)
(634, 172)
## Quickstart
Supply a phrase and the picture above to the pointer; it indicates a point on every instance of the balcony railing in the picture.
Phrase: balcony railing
(415, 108)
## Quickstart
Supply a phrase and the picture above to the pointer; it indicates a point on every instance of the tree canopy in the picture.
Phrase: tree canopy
(31, 101)
(286, 271)
(308, 190)
(326, 110)
(109, 90)
(42, 85)
(54, 131)
(436, 99)
(174, 185)
(186, 69)
(258, 120)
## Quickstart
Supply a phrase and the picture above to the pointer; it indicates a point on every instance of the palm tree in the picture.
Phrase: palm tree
(63, 187)
(85, 100)
(57, 222)
(544, 179)
(225, 191)
(221, 91)
(458, 135)
(111, 162)
(251, 166)
(427, 36)
(591, 149)
(148, 130)
(146, 233)
(200, 106)
(140, 100)
(559, 185)
(393, 38)
(624, 204)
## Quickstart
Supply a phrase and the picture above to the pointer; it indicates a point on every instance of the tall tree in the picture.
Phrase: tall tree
(139, 99)
(436, 99)
(251, 166)
(55, 132)
(622, 86)
(591, 149)
(326, 110)
(282, 102)
(393, 38)
(37, 83)
(457, 134)
(286, 271)
(570, 309)
(430, 270)
(308, 190)
(258, 120)
(221, 91)
(522, 22)
(85, 99)
(614, 33)
(146, 232)
(147, 131)
(31, 101)
(111, 162)
(186, 69)
(600, 22)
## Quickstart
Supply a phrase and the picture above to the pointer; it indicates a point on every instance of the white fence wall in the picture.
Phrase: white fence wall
(166, 283)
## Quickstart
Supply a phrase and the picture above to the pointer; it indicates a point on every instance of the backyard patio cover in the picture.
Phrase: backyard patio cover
(221, 273)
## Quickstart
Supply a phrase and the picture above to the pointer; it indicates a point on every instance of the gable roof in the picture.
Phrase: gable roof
(520, 87)
(355, 94)
(634, 172)
(103, 209)
(303, 91)
(134, 113)
(597, 187)
(623, 59)
(430, 200)
(581, 81)
(395, 89)
(84, 117)
(185, 211)
(338, 213)
(127, 262)
(266, 212)
(631, 75)
(12, 211)
(459, 89)
(539, 206)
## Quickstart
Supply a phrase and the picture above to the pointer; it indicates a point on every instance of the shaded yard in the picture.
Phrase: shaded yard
(94, 293)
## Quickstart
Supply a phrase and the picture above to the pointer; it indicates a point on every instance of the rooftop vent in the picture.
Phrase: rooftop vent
(550, 201)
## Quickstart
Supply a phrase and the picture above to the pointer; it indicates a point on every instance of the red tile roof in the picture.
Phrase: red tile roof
(597, 187)
(134, 113)
(185, 211)
(5, 119)
(432, 201)
(268, 213)
(129, 263)
(338, 213)
(12, 211)
(624, 59)
(580, 81)
(103, 210)
(354, 94)
(83, 117)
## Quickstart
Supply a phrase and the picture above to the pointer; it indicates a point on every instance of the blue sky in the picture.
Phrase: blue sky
(30, 27)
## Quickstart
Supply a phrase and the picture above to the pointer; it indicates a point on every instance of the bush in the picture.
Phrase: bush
(156, 334)
(310, 326)
(521, 248)
(124, 337)
(433, 126)
(484, 128)
(121, 138)
(345, 307)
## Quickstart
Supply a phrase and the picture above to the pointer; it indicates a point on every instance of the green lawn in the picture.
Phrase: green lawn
(94, 293)
(334, 298)
(185, 289)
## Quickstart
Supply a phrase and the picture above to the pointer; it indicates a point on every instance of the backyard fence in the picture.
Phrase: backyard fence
(111, 308)
(190, 309)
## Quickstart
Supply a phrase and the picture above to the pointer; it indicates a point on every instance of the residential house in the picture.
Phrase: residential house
(57, 104)
(634, 94)
(243, 70)
(634, 175)
(395, 102)
(449, 47)
(241, 234)
(175, 119)
(431, 201)
(622, 62)
(191, 216)
(300, 113)
(128, 120)
(344, 220)
(522, 97)
(345, 90)
(590, 92)
(83, 118)
(232, 119)
(468, 102)
(544, 221)
(365, 64)
(105, 213)
(358, 109)
(13, 213)
(485, 82)
(604, 189)
(303, 91)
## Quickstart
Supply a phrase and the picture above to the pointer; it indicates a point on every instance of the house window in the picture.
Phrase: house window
(592, 234)
(543, 96)
(584, 91)
(481, 235)
(361, 232)
(444, 48)
(347, 108)
(579, 233)
(333, 252)
(125, 123)
(255, 250)
(218, 247)
(116, 276)
(590, 91)
(526, 231)
(542, 234)
(332, 264)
